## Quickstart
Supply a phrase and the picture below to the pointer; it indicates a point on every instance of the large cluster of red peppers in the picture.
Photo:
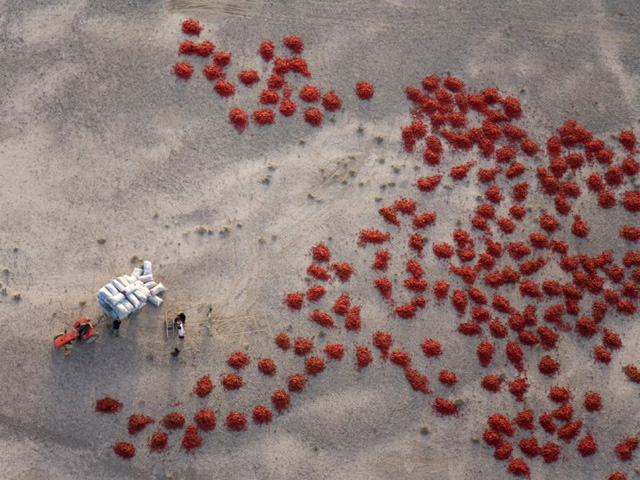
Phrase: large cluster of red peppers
(500, 268)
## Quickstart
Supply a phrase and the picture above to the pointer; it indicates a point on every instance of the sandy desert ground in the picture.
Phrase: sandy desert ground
(106, 157)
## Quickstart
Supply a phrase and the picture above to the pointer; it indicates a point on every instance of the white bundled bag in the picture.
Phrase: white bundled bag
(121, 311)
(129, 293)
(115, 299)
(157, 301)
(146, 267)
(141, 296)
(104, 294)
(157, 290)
(133, 300)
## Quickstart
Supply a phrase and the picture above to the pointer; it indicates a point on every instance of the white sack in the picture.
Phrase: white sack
(157, 301)
(157, 290)
(146, 267)
(121, 311)
(115, 299)
(134, 300)
(141, 296)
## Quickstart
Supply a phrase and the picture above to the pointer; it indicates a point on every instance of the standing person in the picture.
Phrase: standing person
(82, 330)
(181, 330)
(180, 320)
(116, 327)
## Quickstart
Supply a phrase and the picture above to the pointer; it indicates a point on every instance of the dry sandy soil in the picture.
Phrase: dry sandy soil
(98, 140)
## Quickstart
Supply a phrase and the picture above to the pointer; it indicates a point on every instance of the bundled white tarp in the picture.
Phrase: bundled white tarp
(127, 294)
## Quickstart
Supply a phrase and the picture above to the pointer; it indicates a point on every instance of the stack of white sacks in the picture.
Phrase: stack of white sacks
(129, 293)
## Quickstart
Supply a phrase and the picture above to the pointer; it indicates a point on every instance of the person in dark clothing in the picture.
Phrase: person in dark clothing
(175, 353)
(116, 327)
(83, 329)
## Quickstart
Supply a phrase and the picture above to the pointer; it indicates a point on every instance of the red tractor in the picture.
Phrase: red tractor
(83, 330)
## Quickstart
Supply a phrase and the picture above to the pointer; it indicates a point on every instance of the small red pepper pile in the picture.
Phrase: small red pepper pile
(173, 421)
(382, 341)
(239, 119)
(632, 372)
(248, 77)
(342, 304)
(238, 360)
(108, 405)
(264, 117)
(205, 419)
(400, 358)
(331, 101)
(322, 318)
(320, 253)
(343, 271)
(302, 346)
(267, 366)
(309, 94)
(231, 381)
(192, 438)
(372, 236)
(334, 351)
(315, 293)
(281, 400)
(124, 450)
(363, 357)
(224, 88)
(444, 406)
(353, 321)
(296, 383)
(204, 386)
(364, 90)
(191, 27)
(314, 365)
(183, 70)
(158, 441)
(283, 341)
(431, 348)
(261, 415)
(138, 422)
(236, 421)
(294, 300)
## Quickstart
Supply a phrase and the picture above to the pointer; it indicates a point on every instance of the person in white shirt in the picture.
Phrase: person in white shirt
(180, 320)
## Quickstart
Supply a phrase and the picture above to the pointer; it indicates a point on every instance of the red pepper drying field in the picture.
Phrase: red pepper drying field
(515, 282)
